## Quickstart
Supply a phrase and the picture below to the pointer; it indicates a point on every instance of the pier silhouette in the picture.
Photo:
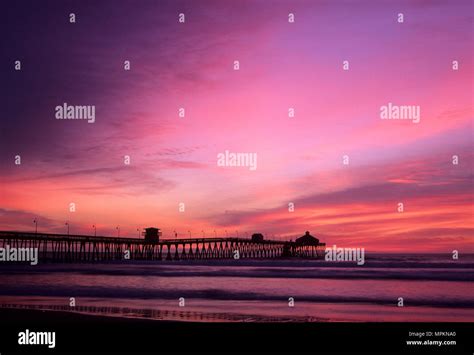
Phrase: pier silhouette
(85, 248)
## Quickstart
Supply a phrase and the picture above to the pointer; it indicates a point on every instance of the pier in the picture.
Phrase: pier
(84, 248)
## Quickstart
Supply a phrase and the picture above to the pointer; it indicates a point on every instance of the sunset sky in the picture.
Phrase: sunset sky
(282, 65)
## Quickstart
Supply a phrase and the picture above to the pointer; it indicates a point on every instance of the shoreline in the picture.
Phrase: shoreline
(21, 316)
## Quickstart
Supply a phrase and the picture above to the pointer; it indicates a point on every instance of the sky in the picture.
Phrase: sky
(283, 65)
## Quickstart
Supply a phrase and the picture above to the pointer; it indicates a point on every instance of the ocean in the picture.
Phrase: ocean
(432, 288)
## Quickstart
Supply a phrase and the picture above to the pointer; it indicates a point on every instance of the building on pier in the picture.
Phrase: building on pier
(152, 235)
(307, 239)
(257, 237)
